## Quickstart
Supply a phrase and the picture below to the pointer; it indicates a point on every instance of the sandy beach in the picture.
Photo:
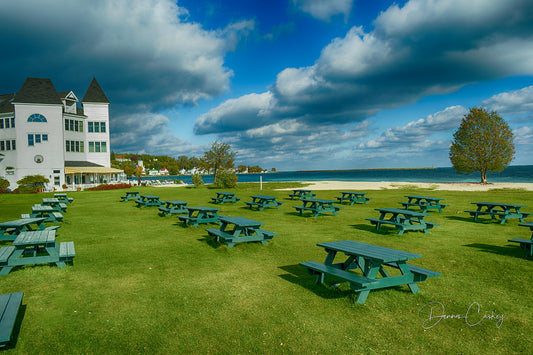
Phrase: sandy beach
(378, 185)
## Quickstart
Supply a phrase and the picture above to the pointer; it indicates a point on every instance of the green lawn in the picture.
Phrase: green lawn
(142, 283)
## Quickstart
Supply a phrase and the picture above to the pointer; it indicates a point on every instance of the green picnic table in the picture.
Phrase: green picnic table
(35, 247)
(262, 202)
(353, 197)
(526, 244)
(9, 307)
(239, 230)
(199, 215)
(62, 197)
(9, 230)
(317, 206)
(371, 260)
(173, 207)
(425, 203)
(301, 194)
(403, 220)
(225, 197)
(47, 212)
(504, 211)
(148, 200)
(130, 195)
(57, 205)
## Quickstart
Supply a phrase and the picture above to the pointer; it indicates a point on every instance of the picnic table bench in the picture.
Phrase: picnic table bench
(301, 194)
(57, 205)
(262, 202)
(47, 212)
(526, 244)
(403, 220)
(62, 197)
(148, 200)
(370, 260)
(173, 207)
(35, 247)
(225, 197)
(9, 307)
(11, 229)
(353, 197)
(317, 206)
(239, 230)
(198, 215)
(504, 211)
(130, 195)
(424, 202)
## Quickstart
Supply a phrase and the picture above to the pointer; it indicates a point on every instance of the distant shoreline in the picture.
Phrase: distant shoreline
(374, 169)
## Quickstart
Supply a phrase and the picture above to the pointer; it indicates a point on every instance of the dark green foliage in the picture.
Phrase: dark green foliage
(219, 157)
(197, 180)
(226, 179)
(3, 184)
(483, 142)
(31, 183)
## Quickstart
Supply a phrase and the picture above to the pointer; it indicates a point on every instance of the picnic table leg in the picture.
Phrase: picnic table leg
(405, 271)
(371, 272)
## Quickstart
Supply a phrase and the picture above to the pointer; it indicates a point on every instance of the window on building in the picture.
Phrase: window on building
(102, 127)
(8, 145)
(71, 123)
(45, 137)
(6, 123)
(91, 147)
(97, 147)
(1, 124)
(67, 146)
(76, 126)
(2, 145)
(82, 149)
(66, 124)
(96, 127)
(30, 140)
(57, 171)
(36, 117)
(77, 146)
(90, 127)
(56, 180)
(37, 138)
(13, 145)
(81, 126)
(12, 122)
(103, 147)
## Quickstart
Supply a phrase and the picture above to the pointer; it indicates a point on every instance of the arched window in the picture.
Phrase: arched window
(36, 117)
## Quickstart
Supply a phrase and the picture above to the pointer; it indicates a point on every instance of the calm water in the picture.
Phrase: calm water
(519, 173)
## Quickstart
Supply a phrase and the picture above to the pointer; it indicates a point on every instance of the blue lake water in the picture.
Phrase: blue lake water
(517, 174)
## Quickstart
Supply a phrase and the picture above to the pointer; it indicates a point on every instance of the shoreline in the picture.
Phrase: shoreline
(379, 185)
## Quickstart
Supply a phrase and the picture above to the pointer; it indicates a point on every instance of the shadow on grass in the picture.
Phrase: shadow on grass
(471, 220)
(509, 250)
(298, 275)
(211, 241)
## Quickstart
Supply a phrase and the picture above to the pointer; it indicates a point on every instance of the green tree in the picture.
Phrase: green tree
(4, 184)
(32, 183)
(226, 179)
(197, 180)
(483, 142)
(138, 171)
(219, 157)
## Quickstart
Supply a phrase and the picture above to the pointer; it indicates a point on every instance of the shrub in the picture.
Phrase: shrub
(109, 187)
(4, 184)
(226, 179)
(197, 180)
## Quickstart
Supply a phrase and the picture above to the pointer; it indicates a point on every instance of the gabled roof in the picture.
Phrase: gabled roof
(68, 95)
(6, 105)
(38, 91)
(95, 93)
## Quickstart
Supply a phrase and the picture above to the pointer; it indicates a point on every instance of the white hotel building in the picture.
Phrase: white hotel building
(44, 132)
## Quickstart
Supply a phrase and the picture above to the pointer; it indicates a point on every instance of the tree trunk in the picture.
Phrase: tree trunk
(484, 177)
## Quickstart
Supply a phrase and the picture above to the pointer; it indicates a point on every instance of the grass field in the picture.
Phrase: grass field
(143, 283)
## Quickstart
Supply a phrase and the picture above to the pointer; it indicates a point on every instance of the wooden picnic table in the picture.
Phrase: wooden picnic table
(225, 197)
(130, 195)
(262, 201)
(173, 207)
(403, 220)
(301, 194)
(35, 247)
(504, 211)
(424, 202)
(57, 205)
(198, 215)
(62, 197)
(370, 260)
(353, 197)
(11, 229)
(47, 212)
(526, 244)
(148, 200)
(9, 307)
(317, 206)
(239, 230)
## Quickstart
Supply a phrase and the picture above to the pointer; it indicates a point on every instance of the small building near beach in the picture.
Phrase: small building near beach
(45, 132)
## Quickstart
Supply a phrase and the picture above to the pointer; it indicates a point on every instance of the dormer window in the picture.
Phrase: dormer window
(36, 117)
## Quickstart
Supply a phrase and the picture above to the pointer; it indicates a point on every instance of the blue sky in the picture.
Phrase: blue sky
(290, 84)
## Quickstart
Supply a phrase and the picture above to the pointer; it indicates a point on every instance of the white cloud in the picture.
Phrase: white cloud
(325, 9)
(511, 102)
